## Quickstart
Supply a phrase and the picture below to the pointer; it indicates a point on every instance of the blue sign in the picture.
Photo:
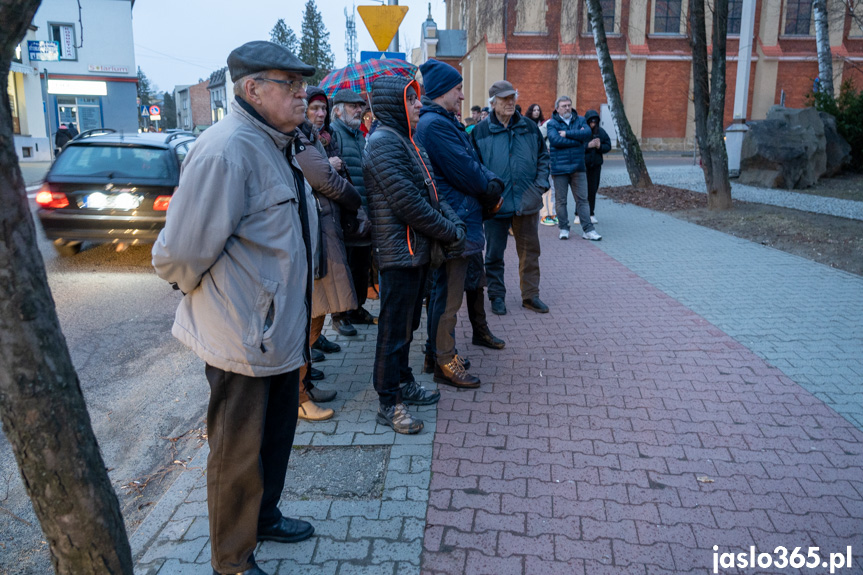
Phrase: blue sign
(382, 56)
(43, 51)
(144, 112)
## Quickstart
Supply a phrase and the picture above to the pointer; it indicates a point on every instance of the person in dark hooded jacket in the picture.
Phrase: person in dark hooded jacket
(407, 216)
(593, 152)
(62, 137)
(468, 187)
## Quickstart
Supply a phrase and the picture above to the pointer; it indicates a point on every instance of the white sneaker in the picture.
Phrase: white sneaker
(593, 220)
(576, 220)
(564, 234)
(591, 235)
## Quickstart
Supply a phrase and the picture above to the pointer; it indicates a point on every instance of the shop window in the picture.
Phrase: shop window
(610, 9)
(735, 15)
(13, 103)
(798, 18)
(65, 35)
(669, 17)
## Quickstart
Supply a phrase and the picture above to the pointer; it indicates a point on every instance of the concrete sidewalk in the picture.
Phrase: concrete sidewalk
(682, 393)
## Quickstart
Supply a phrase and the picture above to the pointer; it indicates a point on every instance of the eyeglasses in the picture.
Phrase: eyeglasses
(294, 86)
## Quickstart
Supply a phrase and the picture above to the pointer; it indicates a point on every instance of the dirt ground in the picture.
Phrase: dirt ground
(833, 241)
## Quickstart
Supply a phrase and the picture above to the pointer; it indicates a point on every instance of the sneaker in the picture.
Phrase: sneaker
(564, 234)
(454, 374)
(576, 220)
(593, 220)
(415, 394)
(311, 412)
(547, 221)
(591, 235)
(326, 346)
(498, 306)
(343, 325)
(555, 220)
(397, 417)
(510, 231)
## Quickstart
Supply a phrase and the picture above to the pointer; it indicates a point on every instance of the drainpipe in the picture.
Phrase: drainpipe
(505, 30)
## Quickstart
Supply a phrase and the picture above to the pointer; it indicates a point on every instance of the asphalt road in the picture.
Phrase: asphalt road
(142, 387)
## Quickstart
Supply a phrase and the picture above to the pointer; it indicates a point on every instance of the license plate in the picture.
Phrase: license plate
(113, 201)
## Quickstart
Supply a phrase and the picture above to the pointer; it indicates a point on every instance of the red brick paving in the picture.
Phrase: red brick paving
(590, 445)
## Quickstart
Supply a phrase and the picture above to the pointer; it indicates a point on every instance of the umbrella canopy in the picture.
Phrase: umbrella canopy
(360, 75)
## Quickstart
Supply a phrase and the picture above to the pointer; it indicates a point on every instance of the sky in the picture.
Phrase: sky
(179, 42)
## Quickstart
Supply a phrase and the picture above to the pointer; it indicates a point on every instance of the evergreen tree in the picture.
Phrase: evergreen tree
(143, 88)
(284, 36)
(169, 112)
(315, 45)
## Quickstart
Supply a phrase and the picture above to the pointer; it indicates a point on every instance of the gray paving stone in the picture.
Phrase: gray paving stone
(390, 509)
(175, 567)
(200, 528)
(413, 528)
(406, 551)
(302, 551)
(306, 509)
(367, 509)
(176, 529)
(291, 567)
(354, 569)
(420, 480)
(194, 509)
(342, 550)
(186, 551)
(388, 529)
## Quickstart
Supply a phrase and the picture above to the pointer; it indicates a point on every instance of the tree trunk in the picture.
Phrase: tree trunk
(709, 101)
(822, 41)
(638, 174)
(41, 405)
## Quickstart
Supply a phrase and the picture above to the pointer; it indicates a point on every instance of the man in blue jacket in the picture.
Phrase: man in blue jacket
(567, 136)
(467, 186)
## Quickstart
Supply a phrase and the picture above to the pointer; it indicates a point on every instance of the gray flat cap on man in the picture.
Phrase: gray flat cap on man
(259, 55)
(348, 96)
(501, 89)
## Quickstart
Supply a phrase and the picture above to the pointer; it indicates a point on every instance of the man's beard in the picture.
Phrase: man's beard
(354, 123)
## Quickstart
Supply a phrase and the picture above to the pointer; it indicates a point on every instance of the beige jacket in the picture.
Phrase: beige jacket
(233, 242)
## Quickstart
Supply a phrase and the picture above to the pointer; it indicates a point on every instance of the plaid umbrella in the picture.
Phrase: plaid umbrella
(359, 76)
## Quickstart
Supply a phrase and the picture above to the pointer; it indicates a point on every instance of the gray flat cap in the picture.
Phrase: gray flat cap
(347, 96)
(258, 56)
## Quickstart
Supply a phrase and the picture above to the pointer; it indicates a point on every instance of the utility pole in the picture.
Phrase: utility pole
(394, 45)
(351, 35)
(737, 130)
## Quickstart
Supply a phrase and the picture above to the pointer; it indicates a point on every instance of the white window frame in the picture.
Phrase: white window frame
(74, 45)
(588, 31)
(783, 34)
(684, 15)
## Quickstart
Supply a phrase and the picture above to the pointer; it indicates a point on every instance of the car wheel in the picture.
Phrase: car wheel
(67, 249)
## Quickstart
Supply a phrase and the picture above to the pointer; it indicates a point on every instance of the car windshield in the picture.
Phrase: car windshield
(113, 162)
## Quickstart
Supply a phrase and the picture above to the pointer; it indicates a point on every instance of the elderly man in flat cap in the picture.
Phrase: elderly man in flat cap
(238, 243)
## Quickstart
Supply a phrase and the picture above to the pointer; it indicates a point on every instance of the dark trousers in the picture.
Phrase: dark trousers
(250, 429)
(476, 310)
(578, 182)
(401, 300)
(525, 229)
(317, 326)
(444, 302)
(593, 173)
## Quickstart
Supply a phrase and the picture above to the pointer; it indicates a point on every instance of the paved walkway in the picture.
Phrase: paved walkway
(683, 393)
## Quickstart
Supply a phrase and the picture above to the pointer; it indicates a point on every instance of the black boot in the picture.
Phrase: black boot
(485, 338)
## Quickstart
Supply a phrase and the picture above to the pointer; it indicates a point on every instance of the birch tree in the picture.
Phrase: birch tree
(41, 405)
(632, 155)
(822, 41)
(709, 96)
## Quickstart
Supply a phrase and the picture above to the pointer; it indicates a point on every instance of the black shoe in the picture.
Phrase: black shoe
(454, 374)
(319, 395)
(363, 317)
(415, 394)
(253, 570)
(315, 374)
(498, 306)
(429, 363)
(344, 327)
(487, 339)
(535, 304)
(317, 356)
(286, 530)
(326, 346)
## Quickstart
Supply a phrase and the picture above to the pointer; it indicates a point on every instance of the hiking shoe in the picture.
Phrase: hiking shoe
(498, 306)
(547, 221)
(343, 326)
(487, 339)
(326, 346)
(311, 412)
(318, 356)
(465, 362)
(535, 304)
(363, 317)
(319, 395)
(315, 374)
(415, 394)
(592, 236)
(564, 234)
(593, 219)
(397, 417)
(454, 374)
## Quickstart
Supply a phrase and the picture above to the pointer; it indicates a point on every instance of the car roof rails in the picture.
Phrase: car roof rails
(94, 132)
(179, 134)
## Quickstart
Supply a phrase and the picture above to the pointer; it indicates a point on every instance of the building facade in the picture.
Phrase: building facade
(221, 93)
(193, 107)
(545, 48)
(86, 85)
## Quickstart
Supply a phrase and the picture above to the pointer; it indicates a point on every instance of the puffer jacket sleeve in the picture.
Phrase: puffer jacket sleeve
(323, 177)
(543, 167)
(450, 157)
(204, 212)
(393, 181)
(604, 141)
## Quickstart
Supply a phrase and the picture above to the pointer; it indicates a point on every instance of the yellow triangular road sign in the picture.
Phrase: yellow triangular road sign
(382, 22)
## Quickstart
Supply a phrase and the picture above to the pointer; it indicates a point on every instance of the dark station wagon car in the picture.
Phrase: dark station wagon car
(107, 186)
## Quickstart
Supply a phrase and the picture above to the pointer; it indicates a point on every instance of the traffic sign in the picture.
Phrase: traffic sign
(382, 56)
(43, 51)
(382, 22)
(144, 112)
(155, 111)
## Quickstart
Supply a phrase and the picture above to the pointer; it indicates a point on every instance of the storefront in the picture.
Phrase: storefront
(28, 118)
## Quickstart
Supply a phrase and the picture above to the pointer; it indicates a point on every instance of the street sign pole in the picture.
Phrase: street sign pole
(394, 44)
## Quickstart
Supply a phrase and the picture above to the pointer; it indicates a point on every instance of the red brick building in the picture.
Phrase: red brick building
(545, 48)
(193, 106)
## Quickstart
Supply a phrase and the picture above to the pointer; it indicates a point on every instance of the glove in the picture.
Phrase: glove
(455, 248)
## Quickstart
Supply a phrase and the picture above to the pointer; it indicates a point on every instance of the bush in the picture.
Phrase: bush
(848, 111)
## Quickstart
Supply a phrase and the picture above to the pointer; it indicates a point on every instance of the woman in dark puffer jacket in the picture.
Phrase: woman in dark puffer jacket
(407, 216)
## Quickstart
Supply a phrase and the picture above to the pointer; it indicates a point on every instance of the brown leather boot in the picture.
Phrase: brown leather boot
(455, 374)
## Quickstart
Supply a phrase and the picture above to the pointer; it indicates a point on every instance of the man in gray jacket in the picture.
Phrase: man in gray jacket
(238, 242)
